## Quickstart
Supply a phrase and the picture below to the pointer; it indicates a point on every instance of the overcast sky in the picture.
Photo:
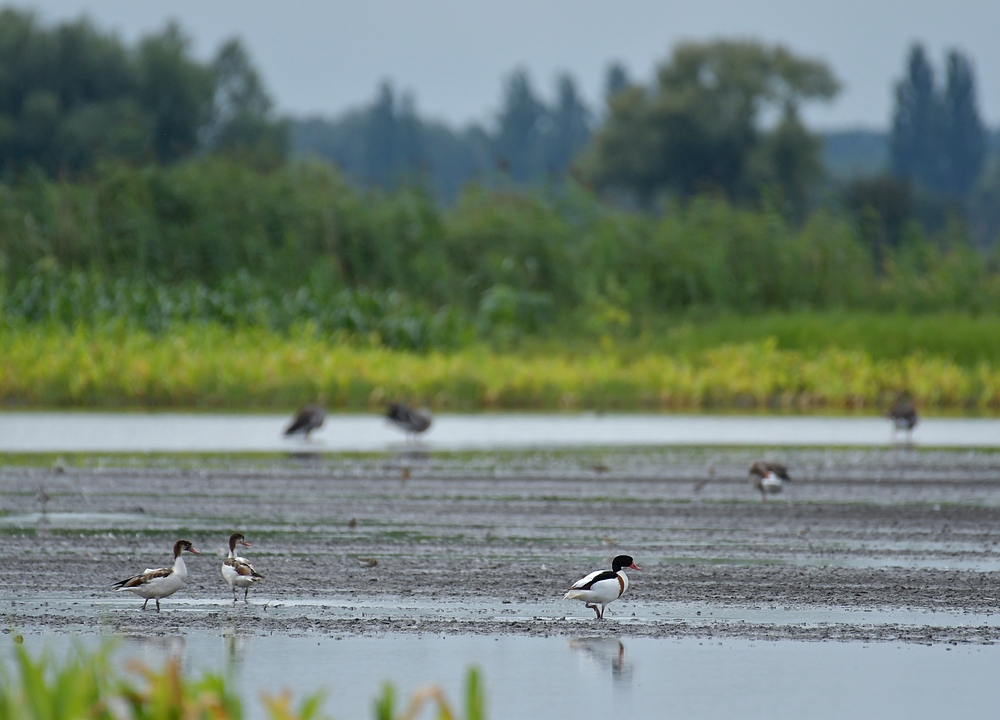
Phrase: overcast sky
(323, 56)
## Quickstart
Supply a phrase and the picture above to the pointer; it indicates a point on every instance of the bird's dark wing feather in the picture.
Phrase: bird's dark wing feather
(143, 578)
(779, 470)
(243, 567)
(606, 575)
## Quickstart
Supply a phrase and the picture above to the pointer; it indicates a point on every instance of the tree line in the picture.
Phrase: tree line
(218, 240)
(164, 188)
(387, 144)
(72, 96)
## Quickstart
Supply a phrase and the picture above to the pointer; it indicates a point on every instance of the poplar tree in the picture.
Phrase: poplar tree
(964, 137)
(569, 129)
(938, 139)
(917, 124)
(520, 122)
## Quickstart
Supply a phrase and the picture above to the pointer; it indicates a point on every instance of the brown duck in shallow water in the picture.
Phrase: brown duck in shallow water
(410, 420)
(237, 571)
(157, 583)
(904, 416)
(308, 419)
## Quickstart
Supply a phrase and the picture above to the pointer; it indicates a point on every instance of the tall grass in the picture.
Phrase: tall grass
(87, 686)
(959, 337)
(209, 366)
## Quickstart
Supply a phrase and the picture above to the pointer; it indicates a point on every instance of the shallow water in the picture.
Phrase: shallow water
(413, 612)
(178, 432)
(602, 677)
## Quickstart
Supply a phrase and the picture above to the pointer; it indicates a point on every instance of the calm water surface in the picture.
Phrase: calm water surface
(606, 677)
(178, 432)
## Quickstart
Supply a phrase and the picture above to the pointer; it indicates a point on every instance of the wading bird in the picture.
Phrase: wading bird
(904, 416)
(154, 584)
(768, 477)
(411, 421)
(308, 419)
(43, 498)
(237, 571)
(603, 587)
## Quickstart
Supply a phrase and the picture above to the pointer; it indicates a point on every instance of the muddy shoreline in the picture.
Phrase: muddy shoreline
(880, 530)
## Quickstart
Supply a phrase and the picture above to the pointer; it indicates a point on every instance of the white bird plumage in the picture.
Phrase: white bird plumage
(602, 587)
(158, 583)
(237, 571)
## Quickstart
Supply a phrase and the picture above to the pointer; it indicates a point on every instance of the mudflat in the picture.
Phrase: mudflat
(894, 544)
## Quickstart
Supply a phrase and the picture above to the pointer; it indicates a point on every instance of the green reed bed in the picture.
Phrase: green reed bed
(212, 366)
(87, 685)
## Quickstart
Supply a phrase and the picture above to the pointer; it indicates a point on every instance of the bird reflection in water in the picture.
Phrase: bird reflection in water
(156, 650)
(602, 653)
(236, 648)
(307, 458)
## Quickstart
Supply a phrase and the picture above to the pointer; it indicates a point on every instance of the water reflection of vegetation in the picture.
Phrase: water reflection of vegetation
(88, 685)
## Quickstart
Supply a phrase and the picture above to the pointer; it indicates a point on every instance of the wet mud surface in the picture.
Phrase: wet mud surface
(863, 545)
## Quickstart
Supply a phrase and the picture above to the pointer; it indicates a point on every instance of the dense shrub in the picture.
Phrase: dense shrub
(215, 240)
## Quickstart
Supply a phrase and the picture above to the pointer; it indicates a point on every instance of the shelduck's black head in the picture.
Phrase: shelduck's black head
(237, 538)
(624, 561)
(182, 545)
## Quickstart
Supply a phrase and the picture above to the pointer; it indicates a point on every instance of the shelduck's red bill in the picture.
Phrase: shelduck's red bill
(633, 566)
(244, 543)
(192, 550)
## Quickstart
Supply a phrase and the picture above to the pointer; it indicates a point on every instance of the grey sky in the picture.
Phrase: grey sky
(323, 57)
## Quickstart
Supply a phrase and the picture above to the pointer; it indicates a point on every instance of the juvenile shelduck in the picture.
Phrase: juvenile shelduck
(153, 584)
(603, 587)
(768, 477)
(409, 420)
(236, 570)
(308, 419)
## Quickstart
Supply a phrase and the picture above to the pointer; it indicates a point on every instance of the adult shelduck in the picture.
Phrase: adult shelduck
(153, 584)
(603, 587)
(409, 420)
(236, 570)
(904, 416)
(308, 419)
(768, 477)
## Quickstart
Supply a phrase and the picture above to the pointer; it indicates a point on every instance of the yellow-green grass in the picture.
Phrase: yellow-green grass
(214, 367)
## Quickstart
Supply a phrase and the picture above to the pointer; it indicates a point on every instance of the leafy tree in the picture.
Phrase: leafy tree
(615, 80)
(71, 95)
(699, 127)
(985, 205)
(568, 128)
(964, 141)
(380, 136)
(66, 96)
(520, 122)
(176, 91)
(387, 141)
(242, 122)
(789, 160)
(938, 140)
(916, 127)
(392, 138)
(882, 207)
